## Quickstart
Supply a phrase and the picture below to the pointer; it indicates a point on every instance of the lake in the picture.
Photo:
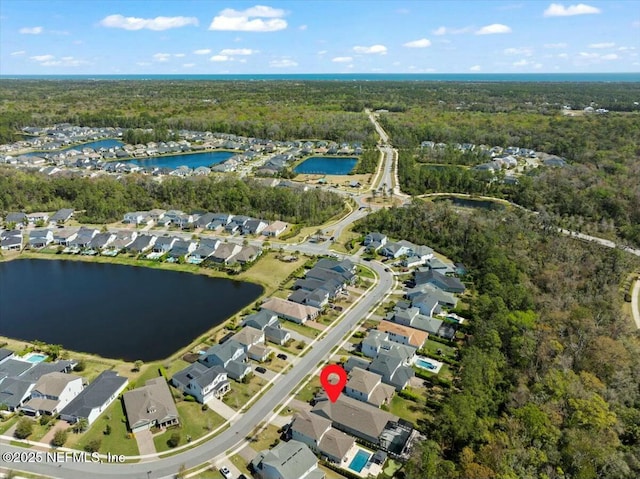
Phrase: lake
(326, 165)
(192, 160)
(114, 311)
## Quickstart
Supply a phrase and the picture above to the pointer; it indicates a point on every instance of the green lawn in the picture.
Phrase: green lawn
(241, 393)
(309, 390)
(406, 409)
(194, 422)
(149, 371)
(302, 329)
(5, 425)
(241, 464)
(431, 347)
(365, 272)
(265, 439)
(120, 441)
(276, 364)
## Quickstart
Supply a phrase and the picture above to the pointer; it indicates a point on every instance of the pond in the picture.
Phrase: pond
(115, 311)
(326, 165)
(192, 160)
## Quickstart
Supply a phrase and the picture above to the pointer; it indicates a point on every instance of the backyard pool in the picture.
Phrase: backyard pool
(429, 364)
(359, 461)
(35, 357)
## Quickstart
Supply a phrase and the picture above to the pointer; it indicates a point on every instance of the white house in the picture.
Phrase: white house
(39, 238)
(201, 382)
(52, 392)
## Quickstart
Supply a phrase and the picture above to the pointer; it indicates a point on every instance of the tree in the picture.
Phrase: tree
(24, 428)
(182, 472)
(93, 445)
(137, 365)
(174, 439)
(59, 438)
(81, 425)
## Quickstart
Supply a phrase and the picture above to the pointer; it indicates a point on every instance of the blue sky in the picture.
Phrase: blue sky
(317, 36)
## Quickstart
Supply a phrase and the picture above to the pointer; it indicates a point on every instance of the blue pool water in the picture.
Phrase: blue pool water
(359, 461)
(425, 364)
(36, 358)
(323, 165)
(192, 160)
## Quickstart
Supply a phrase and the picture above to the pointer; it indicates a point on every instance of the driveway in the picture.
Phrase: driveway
(59, 425)
(145, 442)
(221, 408)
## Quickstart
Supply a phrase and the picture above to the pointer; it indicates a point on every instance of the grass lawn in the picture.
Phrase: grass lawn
(120, 441)
(148, 371)
(176, 365)
(6, 425)
(241, 464)
(265, 439)
(391, 467)
(365, 272)
(330, 473)
(406, 409)
(276, 364)
(431, 347)
(309, 390)
(241, 393)
(270, 271)
(301, 328)
(194, 422)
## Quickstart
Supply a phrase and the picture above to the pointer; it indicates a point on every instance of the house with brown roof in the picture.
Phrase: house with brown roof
(275, 229)
(316, 432)
(403, 334)
(285, 309)
(149, 406)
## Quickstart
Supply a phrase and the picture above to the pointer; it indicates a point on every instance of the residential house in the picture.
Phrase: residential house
(18, 219)
(137, 218)
(328, 274)
(231, 356)
(95, 398)
(6, 354)
(412, 317)
(14, 392)
(205, 249)
(269, 323)
(84, 237)
(395, 250)
(275, 229)
(429, 299)
(223, 218)
(367, 386)
(122, 240)
(183, 220)
(182, 248)
(377, 342)
(142, 243)
(254, 227)
(225, 253)
(439, 265)
(52, 393)
(332, 286)
(205, 220)
(102, 240)
(403, 334)
(449, 284)
(63, 236)
(247, 254)
(316, 432)
(164, 244)
(356, 418)
(317, 298)
(35, 218)
(11, 240)
(393, 367)
(345, 267)
(40, 369)
(288, 460)
(201, 382)
(289, 310)
(374, 241)
(61, 216)
(252, 340)
(39, 238)
(150, 406)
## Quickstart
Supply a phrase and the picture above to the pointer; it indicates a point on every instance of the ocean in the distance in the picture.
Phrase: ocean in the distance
(429, 77)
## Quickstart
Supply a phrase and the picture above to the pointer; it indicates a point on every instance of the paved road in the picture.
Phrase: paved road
(635, 302)
(236, 433)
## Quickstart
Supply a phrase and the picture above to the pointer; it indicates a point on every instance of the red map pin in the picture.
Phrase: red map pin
(333, 379)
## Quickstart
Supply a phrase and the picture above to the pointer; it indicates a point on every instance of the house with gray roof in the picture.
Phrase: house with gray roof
(39, 238)
(288, 460)
(367, 386)
(247, 254)
(62, 236)
(14, 367)
(254, 227)
(393, 369)
(11, 240)
(6, 354)
(374, 241)
(19, 218)
(122, 240)
(316, 432)
(182, 248)
(14, 392)
(225, 253)
(95, 398)
(164, 244)
(395, 250)
(377, 342)
(206, 248)
(268, 322)
(150, 406)
(231, 356)
(355, 417)
(52, 392)
(205, 220)
(84, 237)
(449, 284)
(201, 382)
(40, 369)
(102, 240)
(142, 243)
(61, 216)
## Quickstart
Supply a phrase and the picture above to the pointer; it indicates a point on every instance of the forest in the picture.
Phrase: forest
(548, 380)
(106, 199)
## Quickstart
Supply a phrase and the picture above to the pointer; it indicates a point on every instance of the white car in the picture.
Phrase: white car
(226, 472)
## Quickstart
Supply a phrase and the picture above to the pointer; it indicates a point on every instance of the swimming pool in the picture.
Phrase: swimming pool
(429, 364)
(359, 461)
(35, 357)
(426, 364)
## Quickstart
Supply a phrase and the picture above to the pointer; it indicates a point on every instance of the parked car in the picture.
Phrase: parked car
(226, 472)
(261, 370)
(282, 356)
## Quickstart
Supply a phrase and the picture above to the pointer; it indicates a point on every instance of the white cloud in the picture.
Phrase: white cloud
(188, 65)
(341, 59)
(527, 52)
(220, 58)
(520, 63)
(557, 10)
(440, 31)
(602, 45)
(250, 20)
(322, 52)
(202, 51)
(143, 64)
(451, 31)
(178, 55)
(283, 63)
(556, 45)
(31, 30)
(162, 57)
(422, 43)
(303, 27)
(156, 24)
(475, 68)
(609, 56)
(373, 49)
(18, 53)
(238, 51)
(493, 29)
(42, 58)
(563, 55)
(594, 57)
